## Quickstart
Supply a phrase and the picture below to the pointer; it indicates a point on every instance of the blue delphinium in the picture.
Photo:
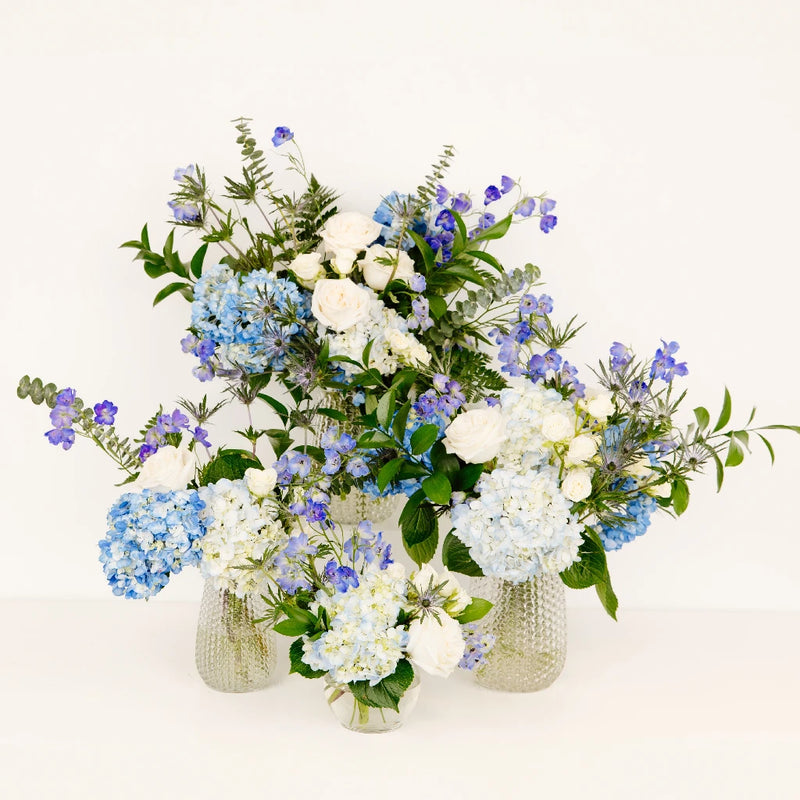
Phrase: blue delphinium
(232, 316)
(341, 577)
(664, 365)
(62, 418)
(184, 212)
(368, 544)
(476, 645)
(166, 426)
(281, 136)
(290, 564)
(152, 534)
(621, 356)
(105, 412)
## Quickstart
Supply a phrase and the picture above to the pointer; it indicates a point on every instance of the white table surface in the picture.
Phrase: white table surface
(101, 699)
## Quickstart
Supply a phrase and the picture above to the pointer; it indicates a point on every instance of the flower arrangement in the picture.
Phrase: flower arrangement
(451, 389)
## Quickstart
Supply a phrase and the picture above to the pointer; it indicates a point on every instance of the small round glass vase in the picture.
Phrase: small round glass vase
(232, 652)
(529, 623)
(355, 716)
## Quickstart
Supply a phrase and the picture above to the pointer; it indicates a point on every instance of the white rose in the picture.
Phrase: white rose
(307, 268)
(376, 275)
(260, 482)
(599, 405)
(435, 643)
(556, 427)
(457, 598)
(660, 490)
(640, 468)
(339, 304)
(343, 262)
(420, 354)
(168, 468)
(476, 435)
(577, 484)
(349, 230)
(581, 449)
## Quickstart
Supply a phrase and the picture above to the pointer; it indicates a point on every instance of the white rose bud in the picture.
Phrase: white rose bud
(260, 482)
(339, 304)
(581, 449)
(308, 269)
(577, 484)
(376, 275)
(640, 468)
(349, 230)
(660, 490)
(476, 435)
(457, 598)
(556, 427)
(343, 262)
(435, 643)
(420, 354)
(169, 468)
(599, 405)
(399, 343)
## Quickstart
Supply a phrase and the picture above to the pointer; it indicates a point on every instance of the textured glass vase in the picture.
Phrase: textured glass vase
(357, 717)
(529, 623)
(232, 653)
(355, 506)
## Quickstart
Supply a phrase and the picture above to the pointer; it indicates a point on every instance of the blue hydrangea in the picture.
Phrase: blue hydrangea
(151, 535)
(232, 315)
(639, 509)
(392, 215)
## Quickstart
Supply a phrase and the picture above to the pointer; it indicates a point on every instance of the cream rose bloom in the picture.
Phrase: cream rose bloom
(556, 427)
(260, 482)
(376, 275)
(339, 304)
(581, 449)
(343, 262)
(169, 468)
(599, 404)
(577, 484)
(308, 268)
(476, 435)
(660, 490)
(435, 643)
(349, 230)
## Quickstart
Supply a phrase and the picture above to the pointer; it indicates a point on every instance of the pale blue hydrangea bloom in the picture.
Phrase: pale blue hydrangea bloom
(152, 534)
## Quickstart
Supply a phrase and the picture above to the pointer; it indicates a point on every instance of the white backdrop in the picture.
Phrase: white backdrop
(667, 133)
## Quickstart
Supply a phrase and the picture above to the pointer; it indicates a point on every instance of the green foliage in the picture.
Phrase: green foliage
(298, 665)
(476, 610)
(256, 172)
(592, 570)
(230, 464)
(426, 191)
(37, 391)
(386, 693)
(456, 557)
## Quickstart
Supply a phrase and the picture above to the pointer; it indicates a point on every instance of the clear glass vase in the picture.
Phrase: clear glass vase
(232, 653)
(356, 716)
(529, 623)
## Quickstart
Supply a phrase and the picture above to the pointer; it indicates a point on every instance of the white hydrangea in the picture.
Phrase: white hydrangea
(362, 642)
(520, 524)
(393, 344)
(239, 527)
(535, 417)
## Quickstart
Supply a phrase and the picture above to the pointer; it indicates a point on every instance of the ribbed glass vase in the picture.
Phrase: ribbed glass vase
(357, 505)
(232, 653)
(529, 623)
(357, 717)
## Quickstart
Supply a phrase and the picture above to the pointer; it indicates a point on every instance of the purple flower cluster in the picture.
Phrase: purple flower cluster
(445, 398)
(369, 545)
(175, 423)
(335, 446)
(664, 365)
(62, 417)
(290, 564)
(204, 349)
(621, 356)
(527, 206)
(184, 212)
(340, 577)
(421, 319)
(476, 645)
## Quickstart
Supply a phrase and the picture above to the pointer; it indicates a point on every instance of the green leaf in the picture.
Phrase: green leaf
(725, 414)
(278, 407)
(768, 446)
(703, 418)
(486, 258)
(366, 352)
(423, 438)
(607, 597)
(428, 256)
(720, 470)
(456, 557)
(411, 506)
(154, 270)
(419, 524)
(298, 665)
(496, 231)
(467, 477)
(679, 496)
(465, 273)
(476, 610)
(385, 410)
(374, 439)
(437, 305)
(591, 569)
(171, 289)
(735, 453)
(385, 693)
(400, 420)
(197, 261)
(437, 488)
(332, 413)
(795, 428)
(290, 627)
(423, 551)
(387, 473)
(230, 464)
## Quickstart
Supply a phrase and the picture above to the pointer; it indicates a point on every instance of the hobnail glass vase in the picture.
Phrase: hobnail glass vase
(232, 653)
(356, 506)
(357, 717)
(529, 623)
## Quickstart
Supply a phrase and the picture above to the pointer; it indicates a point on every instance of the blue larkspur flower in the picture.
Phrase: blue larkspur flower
(104, 413)
(547, 223)
(281, 136)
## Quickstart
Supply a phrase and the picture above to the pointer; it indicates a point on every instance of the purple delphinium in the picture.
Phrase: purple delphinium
(61, 418)
(507, 184)
(183, 172)
(491, 194)
(418, 283)
(547, 223)
(282, 135)
(340, 577)
(621, 356)
(525, 207)
(184, 212)
(461, 203)
(104, 413)
(664, 365)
